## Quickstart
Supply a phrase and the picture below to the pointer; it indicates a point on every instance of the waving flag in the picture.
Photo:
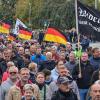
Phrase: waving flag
(11, 37)
(24, 33)
(54, 35)
(4, 28)
(18, 23)
(88, 20)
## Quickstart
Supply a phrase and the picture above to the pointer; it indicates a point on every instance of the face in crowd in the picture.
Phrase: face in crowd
(24, 74)
(65, 87)
(13, 73)
(40, 78)
(96, 53)
(21, 50)
(33, 49)
(7, 53)
(71, 57)
(84, 57)
(29, 91)
(95, 92)
(63, 71)
(62, 56)
(49, 55)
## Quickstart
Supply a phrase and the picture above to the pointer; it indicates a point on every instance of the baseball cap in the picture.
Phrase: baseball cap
(13, 69)
(63, 79)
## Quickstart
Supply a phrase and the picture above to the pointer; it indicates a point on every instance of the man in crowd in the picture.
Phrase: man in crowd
(64, 91)
(17, 91)
(54, 87)
(95, 92)
(82, 74)
(95, 59)
(6, 85)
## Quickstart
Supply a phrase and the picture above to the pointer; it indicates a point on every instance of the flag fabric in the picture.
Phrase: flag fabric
(18, 23)
(53, 35)
(88, 20)
(11, 37)
(24, 33)
(4, 28)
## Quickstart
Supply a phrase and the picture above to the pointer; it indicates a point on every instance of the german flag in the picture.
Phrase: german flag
(53, 35)
(11, 37)
(24, 33)
(4, 28)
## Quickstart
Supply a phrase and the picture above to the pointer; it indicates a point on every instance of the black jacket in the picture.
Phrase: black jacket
(48, 64)
(23, 98)
(95, 76)
(3, 67)
(86, 71)
(59, 95)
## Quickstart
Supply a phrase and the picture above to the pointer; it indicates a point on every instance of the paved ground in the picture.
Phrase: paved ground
(95, 44)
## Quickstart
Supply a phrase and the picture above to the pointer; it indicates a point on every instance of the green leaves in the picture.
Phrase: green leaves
(34, 13)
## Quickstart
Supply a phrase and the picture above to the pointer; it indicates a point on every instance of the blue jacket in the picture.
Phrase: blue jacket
(95, 62)
(38, 58)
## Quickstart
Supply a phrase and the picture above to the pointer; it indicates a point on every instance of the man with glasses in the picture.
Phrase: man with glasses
(6, 85)
(17, 91)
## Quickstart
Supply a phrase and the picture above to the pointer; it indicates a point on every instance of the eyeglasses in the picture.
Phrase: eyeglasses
(13, 72)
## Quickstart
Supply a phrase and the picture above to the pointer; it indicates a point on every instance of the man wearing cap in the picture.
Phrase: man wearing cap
(64, 91)
(6, 85)
(54, 87)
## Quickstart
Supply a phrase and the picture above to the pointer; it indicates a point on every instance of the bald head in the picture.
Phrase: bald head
(95, 92)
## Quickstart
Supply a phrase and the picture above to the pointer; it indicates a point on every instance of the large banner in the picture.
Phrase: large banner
(88, 21)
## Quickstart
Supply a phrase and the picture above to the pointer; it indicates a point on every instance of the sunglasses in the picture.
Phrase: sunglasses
(12, 72)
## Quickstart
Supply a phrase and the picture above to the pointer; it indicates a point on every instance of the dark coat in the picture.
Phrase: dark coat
(95, 62)
(95, 76)
(86, 71)
(23, 98)
(3, 67)
(48, 64)
(32, 77)
(59, 95)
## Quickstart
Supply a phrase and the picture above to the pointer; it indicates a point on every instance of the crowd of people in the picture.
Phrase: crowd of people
(48, 71)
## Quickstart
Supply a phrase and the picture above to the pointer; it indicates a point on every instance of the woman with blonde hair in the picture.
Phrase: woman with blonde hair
(28, 92)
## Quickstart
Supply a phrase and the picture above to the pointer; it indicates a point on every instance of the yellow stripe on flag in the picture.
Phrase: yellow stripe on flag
(23, 36)
(52, 38)
(4, 30)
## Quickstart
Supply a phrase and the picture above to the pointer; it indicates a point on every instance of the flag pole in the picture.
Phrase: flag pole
(78, 36)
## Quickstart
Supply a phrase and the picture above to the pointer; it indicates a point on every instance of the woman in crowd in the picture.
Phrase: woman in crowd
(28, 92)
(43, 88)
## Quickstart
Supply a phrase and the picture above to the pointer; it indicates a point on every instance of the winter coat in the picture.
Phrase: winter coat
(95, 62)
(48, 64)
(59, 95)
(86, 71)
